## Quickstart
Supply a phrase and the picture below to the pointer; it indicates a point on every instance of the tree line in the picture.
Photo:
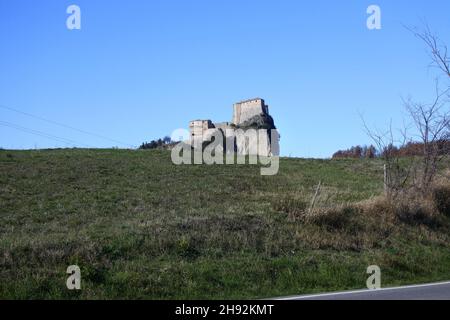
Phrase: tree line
(409, 149)
(162, 143)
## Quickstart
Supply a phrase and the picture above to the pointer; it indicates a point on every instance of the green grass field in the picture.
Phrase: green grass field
(140, 227)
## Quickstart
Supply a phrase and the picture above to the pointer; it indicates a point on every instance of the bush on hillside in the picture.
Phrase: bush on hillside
(293, 207)
(441, 198)
(155, 144)
(333, 219)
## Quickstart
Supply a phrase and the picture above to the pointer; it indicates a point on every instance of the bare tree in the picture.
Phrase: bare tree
(432, 122)
(397, 173)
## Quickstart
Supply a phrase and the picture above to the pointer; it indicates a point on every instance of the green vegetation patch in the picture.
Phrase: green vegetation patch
(140, 227)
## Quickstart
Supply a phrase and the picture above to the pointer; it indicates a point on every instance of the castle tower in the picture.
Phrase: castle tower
(244, 110)
(197, 128)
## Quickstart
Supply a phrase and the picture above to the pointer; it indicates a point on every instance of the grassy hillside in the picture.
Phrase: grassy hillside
(140, 227)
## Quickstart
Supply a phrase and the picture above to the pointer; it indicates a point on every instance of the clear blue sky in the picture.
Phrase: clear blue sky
(137, 70)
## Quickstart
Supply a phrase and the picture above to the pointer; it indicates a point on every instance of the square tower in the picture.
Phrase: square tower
(197, 128)
(244, 110)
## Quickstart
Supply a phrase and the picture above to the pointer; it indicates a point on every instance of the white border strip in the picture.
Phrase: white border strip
(362, 291)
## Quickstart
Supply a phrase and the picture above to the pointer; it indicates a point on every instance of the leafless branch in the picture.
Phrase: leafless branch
(438, 50)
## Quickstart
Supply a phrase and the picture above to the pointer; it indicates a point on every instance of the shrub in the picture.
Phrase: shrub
(414, 212)
(337, 218)
(155, 144)
(186, 248)
(293, 207)
(441, 199)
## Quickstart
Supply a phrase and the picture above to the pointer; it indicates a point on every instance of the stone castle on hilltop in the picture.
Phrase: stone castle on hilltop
(247, 114)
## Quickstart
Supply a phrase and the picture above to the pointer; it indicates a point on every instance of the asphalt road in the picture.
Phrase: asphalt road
(432, 291)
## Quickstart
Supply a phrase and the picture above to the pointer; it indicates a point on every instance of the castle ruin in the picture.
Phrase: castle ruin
(247, 114)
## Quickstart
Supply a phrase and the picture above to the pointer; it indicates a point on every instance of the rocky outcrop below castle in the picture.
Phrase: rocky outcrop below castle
(259, 121)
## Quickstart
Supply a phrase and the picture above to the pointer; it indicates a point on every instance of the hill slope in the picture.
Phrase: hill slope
(140, 227)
